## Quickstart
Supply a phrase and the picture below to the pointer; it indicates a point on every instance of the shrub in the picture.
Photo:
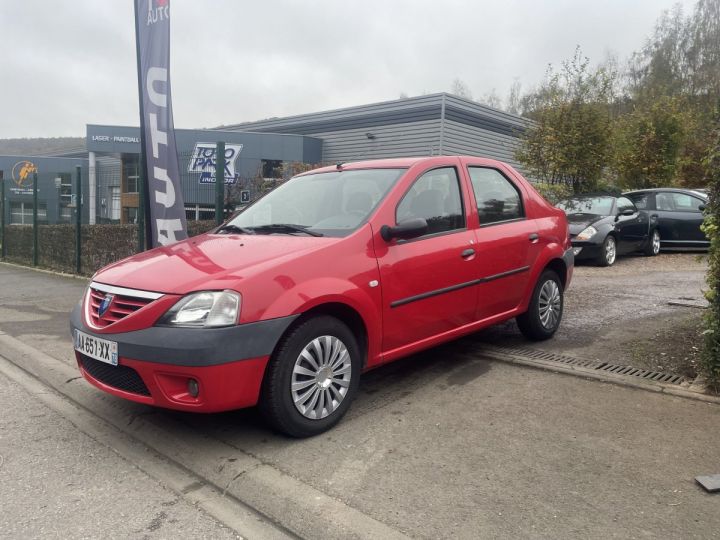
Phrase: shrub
(711, 227)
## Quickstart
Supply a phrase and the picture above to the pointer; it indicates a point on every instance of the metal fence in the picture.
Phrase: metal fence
(59, 224)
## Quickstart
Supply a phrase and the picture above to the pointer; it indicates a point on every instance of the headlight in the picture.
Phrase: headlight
(204, 309)
(587, 233)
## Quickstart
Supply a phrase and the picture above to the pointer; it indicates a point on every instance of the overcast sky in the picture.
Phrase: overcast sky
(68, 63)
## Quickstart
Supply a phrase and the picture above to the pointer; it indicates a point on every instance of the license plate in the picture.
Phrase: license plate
(97, 348)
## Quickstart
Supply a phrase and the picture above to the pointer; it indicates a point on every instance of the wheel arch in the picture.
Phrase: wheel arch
(558, 266)
(346, 314)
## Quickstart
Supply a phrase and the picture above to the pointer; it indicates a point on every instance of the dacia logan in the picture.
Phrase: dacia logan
(335, 272)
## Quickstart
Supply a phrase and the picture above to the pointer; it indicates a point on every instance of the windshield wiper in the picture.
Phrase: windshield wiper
(284, 227)
(234, 229)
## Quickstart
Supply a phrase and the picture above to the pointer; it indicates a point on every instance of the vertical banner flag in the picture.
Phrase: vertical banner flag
(165, 221)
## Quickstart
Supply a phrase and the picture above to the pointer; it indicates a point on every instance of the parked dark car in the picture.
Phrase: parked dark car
(678, 212)
(603, 227)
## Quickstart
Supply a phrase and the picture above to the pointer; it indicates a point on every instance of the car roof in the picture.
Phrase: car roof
(673, 190)
(401, 163)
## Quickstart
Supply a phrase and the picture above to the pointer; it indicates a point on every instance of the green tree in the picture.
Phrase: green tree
(647, 143)
(569, 141)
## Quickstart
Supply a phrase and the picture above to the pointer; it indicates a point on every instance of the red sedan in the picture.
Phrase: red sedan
(337, 271)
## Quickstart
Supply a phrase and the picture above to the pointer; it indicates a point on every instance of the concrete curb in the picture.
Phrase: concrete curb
(619, 380)
(268, 491)
(45, 271)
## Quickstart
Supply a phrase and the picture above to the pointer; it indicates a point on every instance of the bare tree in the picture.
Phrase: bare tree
(460, 89)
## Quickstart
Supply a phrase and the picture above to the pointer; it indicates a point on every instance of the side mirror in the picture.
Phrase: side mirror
(405, 230)
(701, 207)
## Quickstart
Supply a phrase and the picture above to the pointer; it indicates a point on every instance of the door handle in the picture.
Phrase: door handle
(469, 252)
(533, 237)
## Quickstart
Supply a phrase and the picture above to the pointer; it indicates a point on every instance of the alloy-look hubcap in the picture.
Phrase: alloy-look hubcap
(321, 377)
(549, 304)
(610, 250)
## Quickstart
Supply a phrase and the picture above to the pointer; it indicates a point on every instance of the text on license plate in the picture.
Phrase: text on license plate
(97, 348)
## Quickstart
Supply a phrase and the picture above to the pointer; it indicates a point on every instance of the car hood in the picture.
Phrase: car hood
(578, 222)
(207, 261)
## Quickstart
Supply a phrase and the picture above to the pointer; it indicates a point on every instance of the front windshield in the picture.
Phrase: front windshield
(600, 206)
(332, 203)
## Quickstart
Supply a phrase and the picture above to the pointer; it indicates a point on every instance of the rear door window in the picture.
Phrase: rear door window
(498, 199)
(686, 203)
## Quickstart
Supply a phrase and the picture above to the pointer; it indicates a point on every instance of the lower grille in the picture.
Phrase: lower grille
(121, 377)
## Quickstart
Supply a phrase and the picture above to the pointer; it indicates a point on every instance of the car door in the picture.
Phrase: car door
(632, 230)
(507, 242)
(687, 218)
(679, 219)
(428, 283)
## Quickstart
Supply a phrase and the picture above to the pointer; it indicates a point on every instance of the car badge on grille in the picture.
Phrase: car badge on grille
(105, 304)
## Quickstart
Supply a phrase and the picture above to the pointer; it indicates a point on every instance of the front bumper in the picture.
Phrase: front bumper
(587, 250)
(155, 364)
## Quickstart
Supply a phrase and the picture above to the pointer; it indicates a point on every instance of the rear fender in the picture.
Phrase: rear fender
(550, 252)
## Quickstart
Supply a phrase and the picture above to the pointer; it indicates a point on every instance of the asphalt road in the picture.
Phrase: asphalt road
(446, 444)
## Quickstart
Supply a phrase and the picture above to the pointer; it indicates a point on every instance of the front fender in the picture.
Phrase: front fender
(361, 298)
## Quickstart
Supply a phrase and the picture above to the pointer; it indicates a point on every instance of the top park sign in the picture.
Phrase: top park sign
(203, 162)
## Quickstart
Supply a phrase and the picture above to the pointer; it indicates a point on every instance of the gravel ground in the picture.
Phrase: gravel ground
(625, 314)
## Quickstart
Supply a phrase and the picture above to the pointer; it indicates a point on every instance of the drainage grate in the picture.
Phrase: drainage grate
(534, 354)
(658, 376)
(593, 365)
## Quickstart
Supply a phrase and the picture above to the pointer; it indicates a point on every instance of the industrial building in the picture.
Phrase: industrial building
(436, 124)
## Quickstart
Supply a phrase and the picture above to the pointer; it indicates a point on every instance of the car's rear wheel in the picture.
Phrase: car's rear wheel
(608, 253)
(311, 378)
(653, 246)
(542, 319)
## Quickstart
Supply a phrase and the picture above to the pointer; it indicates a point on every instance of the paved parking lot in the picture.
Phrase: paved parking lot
(447, 443)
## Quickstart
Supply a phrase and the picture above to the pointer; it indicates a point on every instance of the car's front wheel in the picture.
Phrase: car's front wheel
(311, 378)
(608, 252)
(542, 319)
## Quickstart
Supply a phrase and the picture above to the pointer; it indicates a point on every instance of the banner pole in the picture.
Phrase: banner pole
(144, 226)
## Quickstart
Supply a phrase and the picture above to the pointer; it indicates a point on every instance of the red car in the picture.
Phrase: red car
(337, 271)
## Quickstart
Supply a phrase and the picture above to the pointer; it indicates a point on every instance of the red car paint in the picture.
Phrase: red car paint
(283, 275)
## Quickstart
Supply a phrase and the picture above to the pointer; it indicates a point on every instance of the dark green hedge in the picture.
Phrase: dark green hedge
(101, 245)
(711, 349)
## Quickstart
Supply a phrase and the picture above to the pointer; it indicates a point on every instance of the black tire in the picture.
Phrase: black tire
(531, 322)
(276, 397)
(653, 245)
(607, 255)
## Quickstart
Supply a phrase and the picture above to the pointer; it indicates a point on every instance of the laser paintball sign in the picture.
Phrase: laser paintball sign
(203, 162)
(163, 189)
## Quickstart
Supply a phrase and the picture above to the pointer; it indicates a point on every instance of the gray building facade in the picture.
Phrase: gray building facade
(436, 124)
(56, 178)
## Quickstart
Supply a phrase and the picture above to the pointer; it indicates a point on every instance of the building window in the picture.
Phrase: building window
(131, 170)
(21, 213)
(65, 190)
(115, 203)
(131, 214)
(199, 212)
(271, 168)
